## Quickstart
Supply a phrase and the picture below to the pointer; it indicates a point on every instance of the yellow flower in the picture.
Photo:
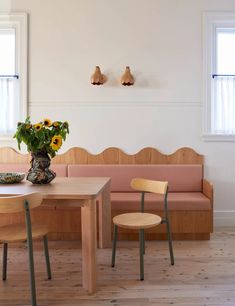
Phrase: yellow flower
(56, 142)
(47, 122)
(28, 126)
(55, 124)
(38, 126)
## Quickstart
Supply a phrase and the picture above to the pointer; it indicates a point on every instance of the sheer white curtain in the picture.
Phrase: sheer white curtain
(9, 105)
(223, 106)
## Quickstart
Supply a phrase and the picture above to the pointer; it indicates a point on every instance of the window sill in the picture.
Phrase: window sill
(218, 137)
(8, 138)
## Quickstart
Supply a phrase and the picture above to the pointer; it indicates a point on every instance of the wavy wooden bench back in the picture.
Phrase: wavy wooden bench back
(64, 222)
(78, 155)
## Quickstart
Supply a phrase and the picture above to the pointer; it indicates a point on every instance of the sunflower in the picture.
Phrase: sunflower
(56, 142)
(38, 126)
(47, 122)
(55, 124)
(28, 126)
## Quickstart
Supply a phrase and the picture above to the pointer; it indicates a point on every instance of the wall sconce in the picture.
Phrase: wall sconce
(127, 78)
(97, 77)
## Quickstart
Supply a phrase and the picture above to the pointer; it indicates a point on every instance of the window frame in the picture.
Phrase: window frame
(19, 21)
(212, 21)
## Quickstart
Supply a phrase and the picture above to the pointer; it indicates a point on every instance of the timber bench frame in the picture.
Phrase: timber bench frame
(64, 223)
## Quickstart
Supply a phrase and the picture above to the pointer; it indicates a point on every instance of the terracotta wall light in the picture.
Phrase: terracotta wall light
(127, 78)
(97, 77)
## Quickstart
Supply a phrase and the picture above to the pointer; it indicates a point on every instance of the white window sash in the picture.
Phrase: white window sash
(13, 91)
(218, 106)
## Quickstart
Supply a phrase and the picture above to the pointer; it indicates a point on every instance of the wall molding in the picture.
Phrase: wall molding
(114, 104)
(218, 137)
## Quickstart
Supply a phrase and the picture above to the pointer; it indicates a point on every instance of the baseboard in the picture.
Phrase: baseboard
(224, 218)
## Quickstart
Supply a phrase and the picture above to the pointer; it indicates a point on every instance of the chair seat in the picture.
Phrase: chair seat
(137, 220)
(17, 232)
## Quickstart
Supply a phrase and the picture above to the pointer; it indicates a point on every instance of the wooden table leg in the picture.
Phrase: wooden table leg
(89, 246)
(105, 218)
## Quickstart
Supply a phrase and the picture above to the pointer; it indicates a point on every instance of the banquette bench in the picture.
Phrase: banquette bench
(190, 196)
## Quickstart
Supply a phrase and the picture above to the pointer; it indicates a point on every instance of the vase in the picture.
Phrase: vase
(39, 173)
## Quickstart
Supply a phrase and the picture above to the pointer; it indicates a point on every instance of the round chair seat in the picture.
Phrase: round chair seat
(137, 220)
(17, 232)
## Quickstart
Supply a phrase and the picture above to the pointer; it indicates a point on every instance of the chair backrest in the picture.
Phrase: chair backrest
(149, 185)
(15, 204)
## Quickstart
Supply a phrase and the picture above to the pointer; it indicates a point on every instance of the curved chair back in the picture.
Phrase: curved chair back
(149, 185)
(15, 204)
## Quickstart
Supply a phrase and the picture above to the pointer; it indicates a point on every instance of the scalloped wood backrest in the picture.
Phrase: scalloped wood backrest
(78, 155)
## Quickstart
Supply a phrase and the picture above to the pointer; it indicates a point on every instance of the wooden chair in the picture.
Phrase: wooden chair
(141, 220)
(23, 232)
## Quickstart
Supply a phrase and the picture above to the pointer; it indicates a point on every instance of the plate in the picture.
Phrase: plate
(11, 177)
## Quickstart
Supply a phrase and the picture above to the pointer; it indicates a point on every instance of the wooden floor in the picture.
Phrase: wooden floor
(204, 274)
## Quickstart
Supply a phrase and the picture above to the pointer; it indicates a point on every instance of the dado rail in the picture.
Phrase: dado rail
(190, 198)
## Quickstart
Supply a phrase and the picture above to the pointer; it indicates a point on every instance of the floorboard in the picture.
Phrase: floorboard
(203, 275)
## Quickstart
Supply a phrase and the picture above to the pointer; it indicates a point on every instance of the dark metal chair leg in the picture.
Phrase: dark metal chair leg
(32, 276)
(114, 244)
(4, 262)
(170, 242)
(30, 253)
(141, 238)
(45, 241)
(142, 233)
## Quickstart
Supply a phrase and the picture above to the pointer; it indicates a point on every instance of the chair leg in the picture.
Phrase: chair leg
(45, 241)
(4, 262)
(32, 276)
(170, 242)
(30, 254)
(115, 231)
(141, 238)
(142, 233)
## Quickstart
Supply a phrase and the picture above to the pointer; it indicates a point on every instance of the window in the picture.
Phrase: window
(13, 71)
(219, 76)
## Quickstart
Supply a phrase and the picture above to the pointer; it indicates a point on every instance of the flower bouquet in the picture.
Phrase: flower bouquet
(43, 140)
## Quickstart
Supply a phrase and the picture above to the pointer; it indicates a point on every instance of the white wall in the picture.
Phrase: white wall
(161, 40)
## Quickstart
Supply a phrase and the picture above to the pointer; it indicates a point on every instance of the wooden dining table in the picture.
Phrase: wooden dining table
(83, 192)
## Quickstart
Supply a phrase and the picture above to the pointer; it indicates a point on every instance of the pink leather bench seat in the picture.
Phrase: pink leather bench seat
(181, 178)
(176, 201)
(185, 185)
(60, 169)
